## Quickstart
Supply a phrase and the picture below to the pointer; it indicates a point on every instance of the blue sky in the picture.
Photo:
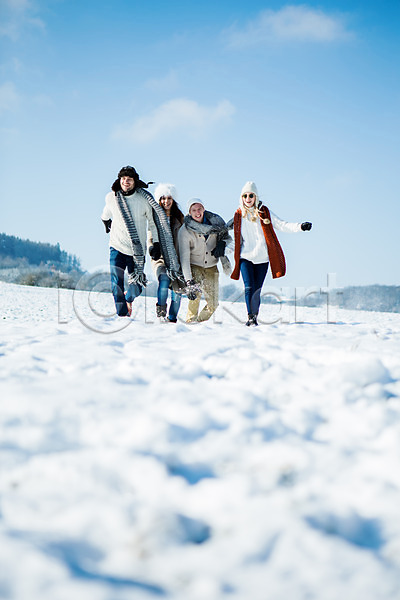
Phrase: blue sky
(302, 98)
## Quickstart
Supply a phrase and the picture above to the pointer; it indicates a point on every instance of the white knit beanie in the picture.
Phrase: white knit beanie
(249, 187)
(194, 201)
(165, 189)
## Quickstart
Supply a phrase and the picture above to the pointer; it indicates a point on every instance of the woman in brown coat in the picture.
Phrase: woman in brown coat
(257, 246)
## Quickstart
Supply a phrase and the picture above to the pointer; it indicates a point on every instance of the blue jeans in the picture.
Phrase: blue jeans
(162, 296)
(118, 263)
(253, 279)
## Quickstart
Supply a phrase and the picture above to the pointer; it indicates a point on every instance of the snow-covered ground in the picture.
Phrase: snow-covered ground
(142, 460)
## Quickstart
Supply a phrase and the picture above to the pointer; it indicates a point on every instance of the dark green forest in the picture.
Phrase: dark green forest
(37, 263)
(16, 249)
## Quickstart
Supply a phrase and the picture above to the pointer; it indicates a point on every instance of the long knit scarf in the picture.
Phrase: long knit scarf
(172, 265)
(217, 226)
(137, 276)
(170, 257)
(275, 252)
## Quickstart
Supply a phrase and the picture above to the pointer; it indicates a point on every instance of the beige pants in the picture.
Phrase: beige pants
(208, 280)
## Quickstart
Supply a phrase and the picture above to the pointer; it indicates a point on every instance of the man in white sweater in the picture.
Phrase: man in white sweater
(126, 216)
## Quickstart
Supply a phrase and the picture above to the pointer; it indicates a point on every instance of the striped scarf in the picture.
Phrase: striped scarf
(168, 251)
(171, 261)
(137, 276)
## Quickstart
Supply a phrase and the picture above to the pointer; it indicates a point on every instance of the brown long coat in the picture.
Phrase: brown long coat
(275, 252)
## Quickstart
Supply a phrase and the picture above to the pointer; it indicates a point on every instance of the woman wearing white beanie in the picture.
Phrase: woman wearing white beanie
(165, 194)
(257, 246)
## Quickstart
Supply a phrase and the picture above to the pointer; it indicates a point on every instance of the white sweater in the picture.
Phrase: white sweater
(254, 247)
(142, 214)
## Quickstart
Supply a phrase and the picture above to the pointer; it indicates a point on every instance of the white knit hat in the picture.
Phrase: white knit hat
(194, 201)
(249, 187)
(165, 189)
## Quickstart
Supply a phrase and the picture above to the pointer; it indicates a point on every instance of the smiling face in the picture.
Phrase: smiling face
(127, 183)
(248, 199)
(197, 212)
(166, 203)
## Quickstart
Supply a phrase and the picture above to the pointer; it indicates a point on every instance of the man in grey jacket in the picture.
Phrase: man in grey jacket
(202, 241)
(126, 216)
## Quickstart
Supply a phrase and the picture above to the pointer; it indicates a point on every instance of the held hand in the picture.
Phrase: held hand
(192, 289)
(107, 225)
(306, 226)
(155, 251)
(219, 249)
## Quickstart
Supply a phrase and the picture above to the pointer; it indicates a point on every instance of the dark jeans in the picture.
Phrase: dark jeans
(253, 279)
(162, 296)
(118, 263)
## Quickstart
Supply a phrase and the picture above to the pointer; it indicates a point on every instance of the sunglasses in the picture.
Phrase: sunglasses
(166, 198)
(251, 196)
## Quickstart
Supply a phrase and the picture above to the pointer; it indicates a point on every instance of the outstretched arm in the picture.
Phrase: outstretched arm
(285, 226)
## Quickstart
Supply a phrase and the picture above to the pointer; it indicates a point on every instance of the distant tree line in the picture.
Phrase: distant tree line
(384, 298)
(37, 263)
(18, 251)
(381, 298)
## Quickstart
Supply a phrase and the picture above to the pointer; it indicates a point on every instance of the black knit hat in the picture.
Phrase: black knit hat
(129, 171)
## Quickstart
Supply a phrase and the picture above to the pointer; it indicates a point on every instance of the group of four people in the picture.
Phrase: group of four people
(185, 250)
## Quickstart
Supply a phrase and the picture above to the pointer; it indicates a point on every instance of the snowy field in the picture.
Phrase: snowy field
(142, 460)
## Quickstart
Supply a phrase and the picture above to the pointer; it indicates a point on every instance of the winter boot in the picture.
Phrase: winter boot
(252, 320)
(161, 311)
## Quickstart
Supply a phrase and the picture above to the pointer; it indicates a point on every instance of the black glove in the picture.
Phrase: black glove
(219, 249)
(155, 251)
(306, 226)
(192, 289)
(107, 225)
